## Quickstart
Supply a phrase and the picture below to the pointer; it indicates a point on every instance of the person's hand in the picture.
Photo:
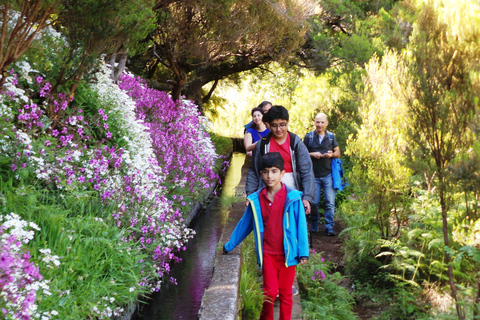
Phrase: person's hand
(303, 261)
(329, 154)
(319, 155)
(247, 202)
(224, 250)
(306, 204)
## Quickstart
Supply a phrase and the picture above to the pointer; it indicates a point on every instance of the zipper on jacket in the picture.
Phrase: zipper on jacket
(257, 230)
(286, 240)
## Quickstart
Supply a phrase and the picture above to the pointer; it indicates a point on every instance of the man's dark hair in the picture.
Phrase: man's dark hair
(272, 159)
(276, 112)
(263, 103)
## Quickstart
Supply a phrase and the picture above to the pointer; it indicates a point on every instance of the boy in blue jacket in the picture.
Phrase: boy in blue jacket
(277, 216)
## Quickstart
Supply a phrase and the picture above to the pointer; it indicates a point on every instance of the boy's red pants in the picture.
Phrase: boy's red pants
(277, 279)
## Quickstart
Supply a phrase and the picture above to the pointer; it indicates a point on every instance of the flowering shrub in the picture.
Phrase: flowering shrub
(137, 151)
(19, 277)
(174, 129)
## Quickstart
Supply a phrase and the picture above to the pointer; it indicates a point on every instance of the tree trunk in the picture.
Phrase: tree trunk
(451, 280)
(118, 70)
(476, 307)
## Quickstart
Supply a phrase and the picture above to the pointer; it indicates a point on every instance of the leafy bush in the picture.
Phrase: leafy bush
(108, 202)
(322, 295)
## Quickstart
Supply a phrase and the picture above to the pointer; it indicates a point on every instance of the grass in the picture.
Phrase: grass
(228, 201)
(96, 266)
(223, 145)
(250, 282)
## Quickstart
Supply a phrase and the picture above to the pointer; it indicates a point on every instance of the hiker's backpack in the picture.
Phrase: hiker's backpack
(339, 180)
(309, 137)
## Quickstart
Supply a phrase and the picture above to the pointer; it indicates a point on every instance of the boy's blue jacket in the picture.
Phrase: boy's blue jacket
(295, 234)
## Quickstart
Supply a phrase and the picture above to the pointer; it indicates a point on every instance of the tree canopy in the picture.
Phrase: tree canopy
(199, 41)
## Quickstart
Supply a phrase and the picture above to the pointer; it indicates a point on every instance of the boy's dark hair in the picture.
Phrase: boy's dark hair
(272, 159)
(276, 112)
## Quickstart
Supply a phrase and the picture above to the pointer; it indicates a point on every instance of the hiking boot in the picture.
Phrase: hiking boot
(330, 233)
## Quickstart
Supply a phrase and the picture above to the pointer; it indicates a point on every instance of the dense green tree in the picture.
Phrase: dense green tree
(379, 149)
(96, 27)
(21, 21)
(202, 41)
(345, 34)
(441, 93)
(91, 28)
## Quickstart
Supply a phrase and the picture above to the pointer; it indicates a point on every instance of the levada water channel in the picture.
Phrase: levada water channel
(194, 272)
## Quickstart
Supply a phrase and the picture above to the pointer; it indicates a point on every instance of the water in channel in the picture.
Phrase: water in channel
(194, 272)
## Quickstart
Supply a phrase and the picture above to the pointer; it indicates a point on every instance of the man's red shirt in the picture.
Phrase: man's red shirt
(284, 150)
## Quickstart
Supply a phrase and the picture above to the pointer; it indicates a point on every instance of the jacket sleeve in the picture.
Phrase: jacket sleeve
(241, 231)
(302, 232)
(305, 169)
(253, 176)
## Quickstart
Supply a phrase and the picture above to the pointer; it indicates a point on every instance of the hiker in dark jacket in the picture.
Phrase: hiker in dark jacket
(323, 147)
(298, 166)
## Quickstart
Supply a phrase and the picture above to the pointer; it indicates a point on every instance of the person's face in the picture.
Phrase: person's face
(272, 176)
(321, 123)
(257, 117)
(279, 128)
(266, 107)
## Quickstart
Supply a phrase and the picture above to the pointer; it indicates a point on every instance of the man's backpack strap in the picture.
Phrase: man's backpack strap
(310, 139)
(292, 141)
(263, 143)
(330, 138)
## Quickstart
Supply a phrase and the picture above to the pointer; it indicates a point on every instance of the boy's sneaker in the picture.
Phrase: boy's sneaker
(294, 291)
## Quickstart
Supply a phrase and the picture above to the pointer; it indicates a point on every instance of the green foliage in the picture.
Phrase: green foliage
(259, 32)
(250, 289)
(379, 174)
(223, 145)
(322, 295)
(345, 34)
(96, 266)
(22, 20)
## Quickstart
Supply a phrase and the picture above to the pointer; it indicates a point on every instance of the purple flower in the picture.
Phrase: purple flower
(5, 260)
(47, 143)
(14, 167)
